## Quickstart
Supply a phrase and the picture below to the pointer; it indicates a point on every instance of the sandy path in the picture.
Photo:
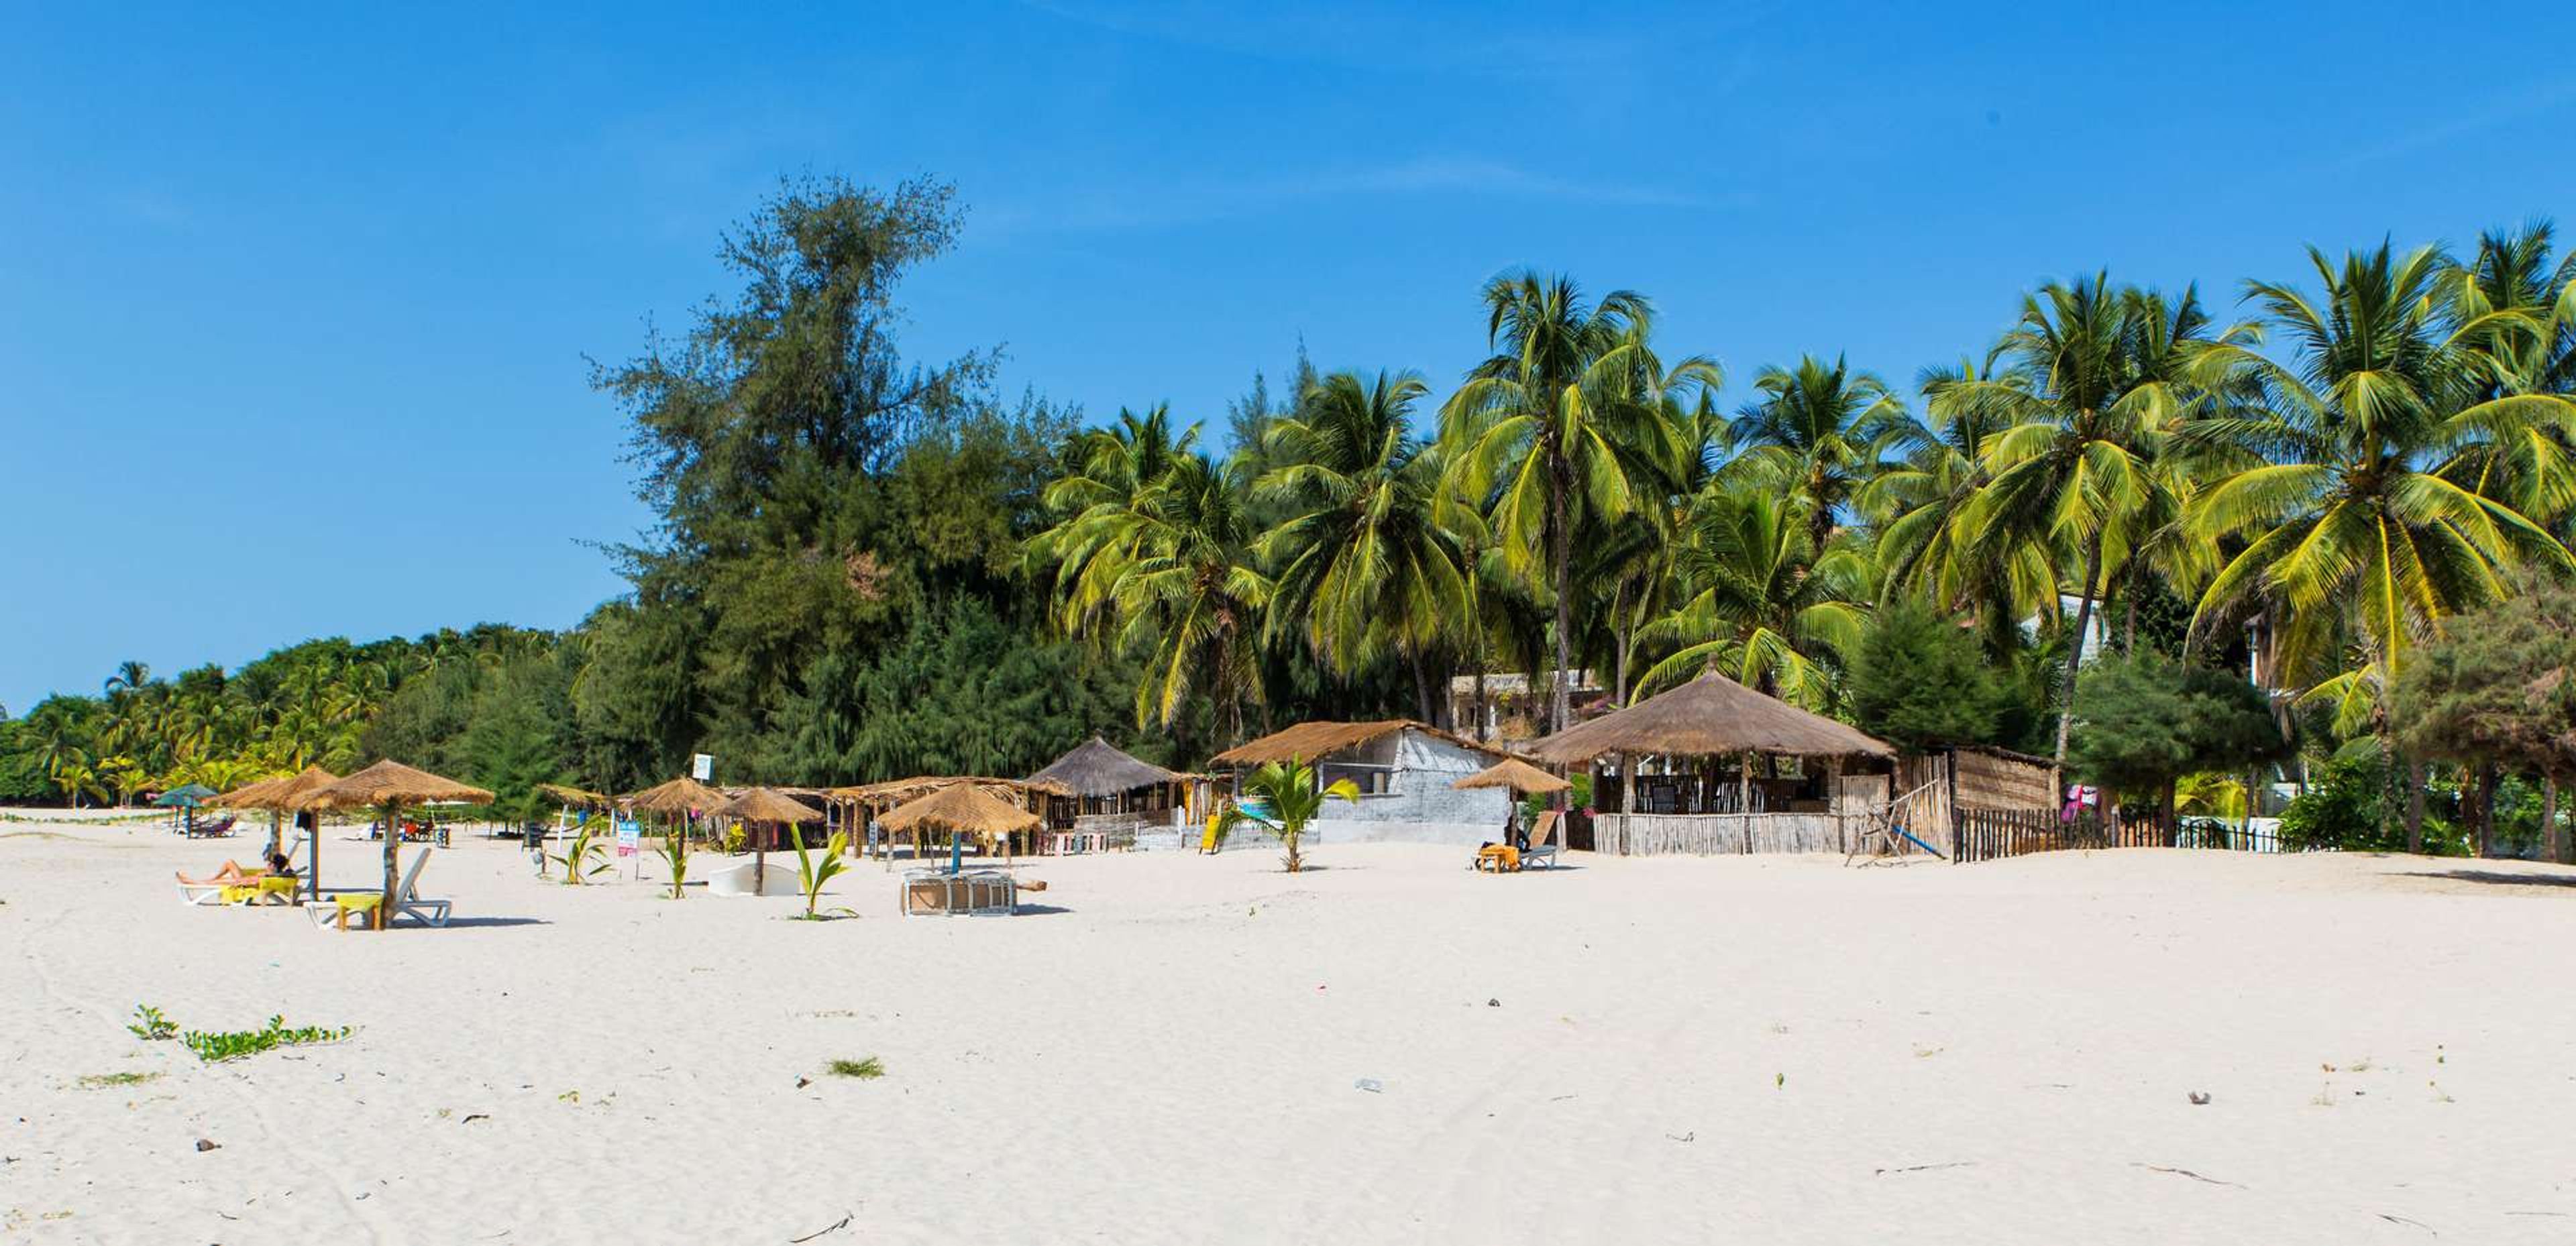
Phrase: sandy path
(1677, 1050)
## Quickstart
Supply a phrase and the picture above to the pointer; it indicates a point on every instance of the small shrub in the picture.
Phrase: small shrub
(149, 1025)
(95, 1081)
(235, 1044)
(867, 1070)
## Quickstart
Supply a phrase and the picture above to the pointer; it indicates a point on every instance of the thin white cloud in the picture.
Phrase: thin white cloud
(1149, 204)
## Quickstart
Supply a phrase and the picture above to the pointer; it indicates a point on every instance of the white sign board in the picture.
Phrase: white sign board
(630, 835)
(704, 768)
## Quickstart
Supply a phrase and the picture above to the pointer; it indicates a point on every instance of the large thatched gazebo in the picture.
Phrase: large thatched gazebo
(390, 785)
(1110, 794)
(1714, 766)
(863, 806)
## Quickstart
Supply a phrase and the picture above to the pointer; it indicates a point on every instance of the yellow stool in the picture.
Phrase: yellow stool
(369, 907)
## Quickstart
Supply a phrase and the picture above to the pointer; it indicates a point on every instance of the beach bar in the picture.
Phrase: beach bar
(1715, 767)
(1107, 796)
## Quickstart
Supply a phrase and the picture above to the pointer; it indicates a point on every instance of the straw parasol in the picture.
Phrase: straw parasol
(762, 804)
(959, 808)
(392, 785)
(682, 796)
(1513, 773)
(577, 797)
(277, 796)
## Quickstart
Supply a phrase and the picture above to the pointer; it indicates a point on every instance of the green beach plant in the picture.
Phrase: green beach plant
(149, 1025)
(812, 874)
(581, 860)
(1295, 797)
(232, 1045)
(675, 853)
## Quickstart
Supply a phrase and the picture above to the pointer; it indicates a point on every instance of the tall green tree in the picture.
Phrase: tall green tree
(1363, 552)
(1559, 424)
(1817, 429)
(2100, 373)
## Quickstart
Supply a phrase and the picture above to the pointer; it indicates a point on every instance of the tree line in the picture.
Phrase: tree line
(865, 565)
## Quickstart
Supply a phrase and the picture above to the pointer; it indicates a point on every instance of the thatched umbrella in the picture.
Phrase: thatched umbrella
(960, 809)
(579, 798)
(761, 804)
(1513, 773)
(392, 785)
(682, 796)
(277, 796)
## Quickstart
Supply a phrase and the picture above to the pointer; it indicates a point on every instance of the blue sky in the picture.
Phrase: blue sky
(236, 241)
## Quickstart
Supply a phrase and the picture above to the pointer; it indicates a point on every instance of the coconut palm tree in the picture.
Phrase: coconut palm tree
(1295, 796)
(1107, 474)
(1919, 508)
(130, 676)
(1816, 429)
(1554, 429)
(1191, 596)
(2099, 375)
(1364, 556)
(1765, 604)
(2345, 513)
(2513, 272)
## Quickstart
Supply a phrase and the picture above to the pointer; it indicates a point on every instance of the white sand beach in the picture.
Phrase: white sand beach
(1169, 1049)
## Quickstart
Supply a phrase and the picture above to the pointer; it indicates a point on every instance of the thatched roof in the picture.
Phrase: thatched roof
(278, 793)
(1711, 716)
(391, 782)
(1309, 741)
(680, 795)
(1096, 767)
(897, 791)
(1513, 773)
(961, 806)
(761, 804)
(562, 794)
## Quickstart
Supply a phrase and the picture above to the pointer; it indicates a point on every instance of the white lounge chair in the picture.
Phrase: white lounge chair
(407, 899)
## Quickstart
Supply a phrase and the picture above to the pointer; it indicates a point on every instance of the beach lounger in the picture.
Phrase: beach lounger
(210, 889)
(1542, 842)
(408, 902)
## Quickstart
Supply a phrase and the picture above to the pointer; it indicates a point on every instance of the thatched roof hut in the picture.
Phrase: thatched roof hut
(1096, 767)
(1516, 775)
(1711, 716)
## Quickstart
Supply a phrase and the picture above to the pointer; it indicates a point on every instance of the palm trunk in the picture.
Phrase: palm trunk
(2075, 658)
(1422, 691)
(1621, 637)
(1561, 548)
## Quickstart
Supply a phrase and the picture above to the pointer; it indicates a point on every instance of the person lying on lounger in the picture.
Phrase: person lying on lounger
(231, 874)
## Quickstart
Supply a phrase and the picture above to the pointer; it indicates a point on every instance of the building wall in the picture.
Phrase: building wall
(1422, 808)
